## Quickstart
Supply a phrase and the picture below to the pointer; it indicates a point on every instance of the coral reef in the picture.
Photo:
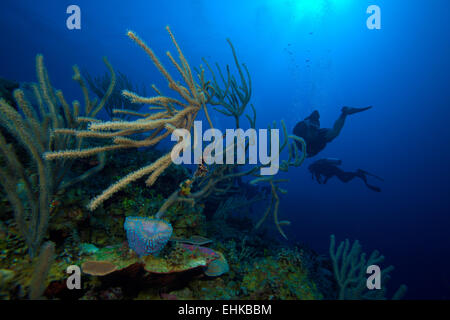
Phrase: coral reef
(278, 279)
(179, 234)
(230, 100)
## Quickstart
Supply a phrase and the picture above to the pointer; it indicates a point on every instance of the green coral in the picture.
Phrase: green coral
(350, 265)
(282, 277)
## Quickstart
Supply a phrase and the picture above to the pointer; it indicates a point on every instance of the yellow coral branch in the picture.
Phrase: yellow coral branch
(84, 153)
(127, 180)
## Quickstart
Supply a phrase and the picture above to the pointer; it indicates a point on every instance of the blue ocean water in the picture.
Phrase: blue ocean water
(303, 55)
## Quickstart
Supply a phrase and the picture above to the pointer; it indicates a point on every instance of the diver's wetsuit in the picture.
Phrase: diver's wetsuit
(316, 138)
(328, 168)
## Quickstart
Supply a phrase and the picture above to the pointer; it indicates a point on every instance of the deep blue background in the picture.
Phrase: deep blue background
(402, 70)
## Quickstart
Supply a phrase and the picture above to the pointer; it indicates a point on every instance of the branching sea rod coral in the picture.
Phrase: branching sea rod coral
(350, 266)
(173, 113)
(41, 270)
(40, 113)
(234, 97)
(295, 159)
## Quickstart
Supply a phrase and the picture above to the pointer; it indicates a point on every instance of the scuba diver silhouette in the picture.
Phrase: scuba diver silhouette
(328, 168)
(316, 138)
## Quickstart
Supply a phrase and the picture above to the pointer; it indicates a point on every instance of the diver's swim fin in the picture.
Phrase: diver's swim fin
(373, 188)
(371, 174)
(350, 110)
